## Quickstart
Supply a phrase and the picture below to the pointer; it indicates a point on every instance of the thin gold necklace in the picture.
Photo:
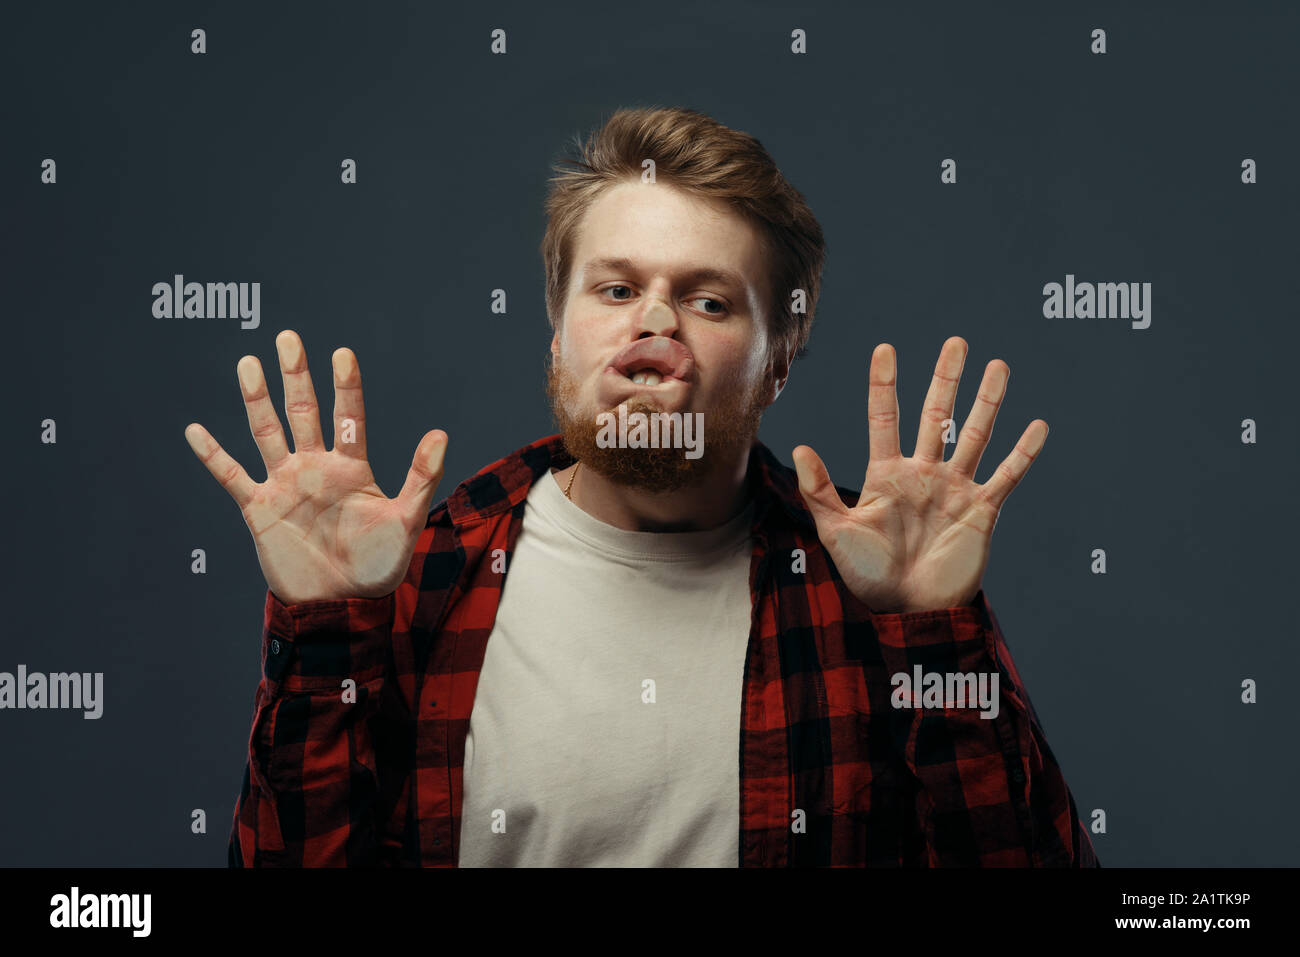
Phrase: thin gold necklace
(570, 485)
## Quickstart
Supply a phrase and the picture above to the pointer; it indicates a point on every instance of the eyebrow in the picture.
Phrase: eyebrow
(700, 274)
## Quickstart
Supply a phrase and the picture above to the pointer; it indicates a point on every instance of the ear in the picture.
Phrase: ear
(778, 372)
(555, 348)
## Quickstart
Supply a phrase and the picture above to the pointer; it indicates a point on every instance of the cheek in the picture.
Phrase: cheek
(579, 349)
(729, 376)
(736, 358)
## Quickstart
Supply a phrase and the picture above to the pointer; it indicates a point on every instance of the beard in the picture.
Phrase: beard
(732, 427)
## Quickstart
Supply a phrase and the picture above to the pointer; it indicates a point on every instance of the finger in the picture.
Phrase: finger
(262, 419)
(299, 397)
(882, 404)
(423, 477)
(349, 410)
(974, 436)
(939, 400)
(1013, 468)
(224, 469)
(815, 483)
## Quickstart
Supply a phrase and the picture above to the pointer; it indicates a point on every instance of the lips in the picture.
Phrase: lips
(668, 357)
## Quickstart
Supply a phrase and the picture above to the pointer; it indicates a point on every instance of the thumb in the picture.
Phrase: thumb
(815, 482)
(423, 477)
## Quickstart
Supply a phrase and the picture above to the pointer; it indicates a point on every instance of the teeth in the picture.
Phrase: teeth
(647, 377)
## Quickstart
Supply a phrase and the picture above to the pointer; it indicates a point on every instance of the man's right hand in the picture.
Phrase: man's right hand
(322, 527)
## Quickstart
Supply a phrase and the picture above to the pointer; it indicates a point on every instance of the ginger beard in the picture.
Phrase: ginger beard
(729, 427)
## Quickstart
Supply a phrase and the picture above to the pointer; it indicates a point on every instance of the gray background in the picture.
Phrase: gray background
(225, 167)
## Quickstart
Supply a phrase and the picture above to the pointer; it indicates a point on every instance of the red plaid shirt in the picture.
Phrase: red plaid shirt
(375, 777)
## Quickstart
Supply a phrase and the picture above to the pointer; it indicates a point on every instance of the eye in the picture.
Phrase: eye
(712, 307)
(722, 306)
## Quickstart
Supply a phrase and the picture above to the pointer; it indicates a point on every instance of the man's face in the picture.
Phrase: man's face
(652, 262)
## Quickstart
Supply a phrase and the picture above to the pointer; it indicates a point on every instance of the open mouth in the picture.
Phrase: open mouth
(647, 377)
(654, 361)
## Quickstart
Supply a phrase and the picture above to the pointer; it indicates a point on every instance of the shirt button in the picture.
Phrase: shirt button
(275, 646)
(1018, 776)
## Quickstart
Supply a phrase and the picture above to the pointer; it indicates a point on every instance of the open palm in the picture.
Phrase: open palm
(322, 527)
(918, 537)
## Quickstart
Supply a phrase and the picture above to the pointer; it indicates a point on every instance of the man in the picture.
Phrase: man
(601, 650)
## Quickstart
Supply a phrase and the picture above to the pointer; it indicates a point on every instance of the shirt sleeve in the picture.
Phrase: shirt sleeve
(990, 790)
(314, 784)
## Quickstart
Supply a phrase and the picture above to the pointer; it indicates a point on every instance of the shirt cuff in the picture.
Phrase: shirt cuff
(308, 619)
(960, 638)
(313, 645)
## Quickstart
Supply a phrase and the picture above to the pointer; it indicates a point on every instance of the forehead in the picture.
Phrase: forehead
(659, 226)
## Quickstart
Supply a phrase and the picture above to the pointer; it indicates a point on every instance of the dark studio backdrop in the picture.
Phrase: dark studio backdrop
(1124, 166)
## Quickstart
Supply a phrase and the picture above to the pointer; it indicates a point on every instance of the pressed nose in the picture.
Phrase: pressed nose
(657, 318)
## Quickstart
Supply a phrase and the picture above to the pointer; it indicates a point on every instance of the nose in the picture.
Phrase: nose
(657, 318)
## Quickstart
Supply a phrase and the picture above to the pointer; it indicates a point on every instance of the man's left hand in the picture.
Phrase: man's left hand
(918, 538)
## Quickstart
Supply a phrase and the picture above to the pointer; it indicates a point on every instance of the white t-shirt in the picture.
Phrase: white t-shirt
(606, 723)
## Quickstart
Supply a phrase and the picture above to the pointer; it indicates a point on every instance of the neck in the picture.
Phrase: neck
(721, 498)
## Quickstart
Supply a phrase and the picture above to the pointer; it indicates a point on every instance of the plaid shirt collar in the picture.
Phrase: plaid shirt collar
(505, 483)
